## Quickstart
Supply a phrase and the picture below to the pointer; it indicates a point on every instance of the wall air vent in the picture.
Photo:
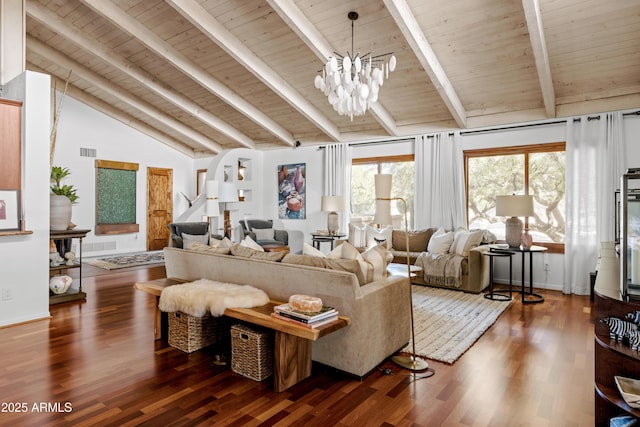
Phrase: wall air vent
(87, 152)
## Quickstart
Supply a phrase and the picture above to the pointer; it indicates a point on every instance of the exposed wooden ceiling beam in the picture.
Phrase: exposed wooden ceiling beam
(37, 47)
(110, 111)
(216, 32)
(163, 49)
(67, 30)
(300, 24)
(405, 20)
(539, 46)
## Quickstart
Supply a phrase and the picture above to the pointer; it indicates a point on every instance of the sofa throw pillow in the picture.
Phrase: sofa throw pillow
(246, 252)
(418, 240)
(347, 251)
(248, 242)
(348, 265)
(377, 257)
(263, 233)
(440, 242)
(307, 249)
(188, 239)
(195, 246)
(375, 236)
(357, 236)
(464, 241)
(221, 243)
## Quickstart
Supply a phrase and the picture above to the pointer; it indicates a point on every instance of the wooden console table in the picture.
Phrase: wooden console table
(292, 353)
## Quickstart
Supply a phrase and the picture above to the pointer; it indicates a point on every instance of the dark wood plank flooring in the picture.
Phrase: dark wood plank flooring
(96, 363)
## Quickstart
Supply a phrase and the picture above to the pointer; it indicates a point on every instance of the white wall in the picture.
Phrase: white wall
(24, 260)
(81, 126)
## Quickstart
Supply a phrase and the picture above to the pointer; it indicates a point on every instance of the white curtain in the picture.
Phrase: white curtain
(595, 162)
(337, 178)
(439, 179)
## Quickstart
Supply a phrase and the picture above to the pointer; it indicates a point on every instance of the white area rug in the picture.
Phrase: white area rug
(448, 323)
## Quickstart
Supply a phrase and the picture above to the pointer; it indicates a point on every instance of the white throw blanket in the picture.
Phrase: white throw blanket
(207, 296)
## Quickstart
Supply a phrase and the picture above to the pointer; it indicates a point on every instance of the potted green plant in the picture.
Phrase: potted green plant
(62, 196)
(58, 173)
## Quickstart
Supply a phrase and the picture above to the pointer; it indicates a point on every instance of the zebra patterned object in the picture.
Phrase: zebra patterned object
(618, 328)
(634, 317)
(634, 340)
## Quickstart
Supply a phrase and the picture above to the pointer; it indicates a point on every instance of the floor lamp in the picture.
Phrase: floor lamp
(383, 216)
(211, 207)
(228, 194)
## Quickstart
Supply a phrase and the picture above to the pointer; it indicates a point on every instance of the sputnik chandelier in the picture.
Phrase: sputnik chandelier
(352, 84)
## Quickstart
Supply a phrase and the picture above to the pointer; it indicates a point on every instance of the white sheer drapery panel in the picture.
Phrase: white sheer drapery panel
(439, 182)
(337, 178)
(594, 157)
(610, 171)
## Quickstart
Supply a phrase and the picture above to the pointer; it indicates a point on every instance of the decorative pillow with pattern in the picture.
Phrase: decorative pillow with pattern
(357, 236)
(464, 241)
(375, 236)
(347, 251)
(377, 257)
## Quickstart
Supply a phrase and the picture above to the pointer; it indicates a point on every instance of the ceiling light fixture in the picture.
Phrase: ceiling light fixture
(352, 83)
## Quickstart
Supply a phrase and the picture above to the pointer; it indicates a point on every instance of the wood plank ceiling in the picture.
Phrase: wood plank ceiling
(206, 75)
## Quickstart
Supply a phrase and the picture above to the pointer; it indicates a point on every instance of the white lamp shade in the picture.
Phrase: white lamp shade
(514, 206)
(332, 204)
(383, 186)
(383, 212)
(212, 208)
(228, 193)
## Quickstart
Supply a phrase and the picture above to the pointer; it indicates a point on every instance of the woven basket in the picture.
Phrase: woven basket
(251, 352)
(189, 333)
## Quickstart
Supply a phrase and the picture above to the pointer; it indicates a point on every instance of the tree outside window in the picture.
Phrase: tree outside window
(537, 170)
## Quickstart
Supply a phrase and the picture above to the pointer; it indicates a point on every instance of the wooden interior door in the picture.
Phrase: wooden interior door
(159, 207)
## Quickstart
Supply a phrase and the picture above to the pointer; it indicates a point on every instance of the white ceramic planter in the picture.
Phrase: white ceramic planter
(60, 212)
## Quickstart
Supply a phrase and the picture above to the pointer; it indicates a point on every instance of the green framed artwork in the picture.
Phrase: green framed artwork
(116, 197)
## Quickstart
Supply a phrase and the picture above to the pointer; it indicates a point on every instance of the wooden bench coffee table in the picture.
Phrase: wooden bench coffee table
(292, 353)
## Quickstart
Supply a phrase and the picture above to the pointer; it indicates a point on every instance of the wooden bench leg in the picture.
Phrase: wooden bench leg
(292, 360)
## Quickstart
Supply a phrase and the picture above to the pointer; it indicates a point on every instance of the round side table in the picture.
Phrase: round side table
(498, 294)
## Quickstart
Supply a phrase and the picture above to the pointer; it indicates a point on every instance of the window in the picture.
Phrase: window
(538, 170)
(363, 188)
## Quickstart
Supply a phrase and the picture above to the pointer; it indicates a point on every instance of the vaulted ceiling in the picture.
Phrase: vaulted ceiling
(206, 75)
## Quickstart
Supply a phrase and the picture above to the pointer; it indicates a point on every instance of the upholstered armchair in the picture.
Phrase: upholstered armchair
(191, 228)
(262, 232)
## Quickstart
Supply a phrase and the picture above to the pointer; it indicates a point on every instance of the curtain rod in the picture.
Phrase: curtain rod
(468, 132)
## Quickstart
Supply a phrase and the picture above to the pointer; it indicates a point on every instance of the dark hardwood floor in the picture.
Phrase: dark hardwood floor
(96, 364)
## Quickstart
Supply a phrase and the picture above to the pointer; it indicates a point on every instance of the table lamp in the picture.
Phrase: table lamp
(333, 205)
(513, 207)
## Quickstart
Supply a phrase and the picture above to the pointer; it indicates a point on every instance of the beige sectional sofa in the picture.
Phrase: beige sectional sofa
(470, 266)
(379, 311)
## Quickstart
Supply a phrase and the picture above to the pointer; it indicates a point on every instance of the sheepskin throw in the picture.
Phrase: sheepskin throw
(208, 296)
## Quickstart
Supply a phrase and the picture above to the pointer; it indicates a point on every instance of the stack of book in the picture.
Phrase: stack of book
(308, 319)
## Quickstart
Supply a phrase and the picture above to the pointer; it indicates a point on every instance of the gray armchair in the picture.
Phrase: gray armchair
(193, 228)
(280, 237)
